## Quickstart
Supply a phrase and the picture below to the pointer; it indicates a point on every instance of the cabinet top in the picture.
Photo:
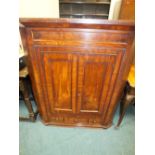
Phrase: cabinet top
(78, 23)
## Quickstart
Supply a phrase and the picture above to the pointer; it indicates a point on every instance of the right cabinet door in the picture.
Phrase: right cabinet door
(97, 74)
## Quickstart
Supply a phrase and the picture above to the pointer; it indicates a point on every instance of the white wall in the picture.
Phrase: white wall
(115, 9)
(39, 8)
(50, 8)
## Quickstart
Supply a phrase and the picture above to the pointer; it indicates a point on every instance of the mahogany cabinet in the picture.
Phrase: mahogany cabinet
(78, 68)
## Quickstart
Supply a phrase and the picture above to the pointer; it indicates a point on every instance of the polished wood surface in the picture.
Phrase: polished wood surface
(78, 68)
(127, 10)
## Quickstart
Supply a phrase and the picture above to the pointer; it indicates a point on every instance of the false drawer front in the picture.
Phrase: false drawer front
(76, 37)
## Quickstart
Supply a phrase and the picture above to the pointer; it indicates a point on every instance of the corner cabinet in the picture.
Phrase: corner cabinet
(78, 68)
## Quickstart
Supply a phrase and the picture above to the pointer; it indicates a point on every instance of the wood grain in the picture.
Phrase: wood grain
(127, 10)
(78, 68)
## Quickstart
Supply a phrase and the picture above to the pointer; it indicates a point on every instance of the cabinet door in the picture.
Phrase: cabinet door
(56, 73)
(96, 78)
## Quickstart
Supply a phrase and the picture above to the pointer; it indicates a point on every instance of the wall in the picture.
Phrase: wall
(36, 9)
(115, 9)
(39, 8)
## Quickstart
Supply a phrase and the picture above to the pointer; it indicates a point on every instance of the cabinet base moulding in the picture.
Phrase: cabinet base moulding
(78, 125)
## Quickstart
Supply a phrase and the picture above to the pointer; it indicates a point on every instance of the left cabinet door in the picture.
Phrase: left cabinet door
(57, 70)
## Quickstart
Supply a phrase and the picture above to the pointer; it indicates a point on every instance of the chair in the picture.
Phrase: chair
(129, 94)
(23, 73)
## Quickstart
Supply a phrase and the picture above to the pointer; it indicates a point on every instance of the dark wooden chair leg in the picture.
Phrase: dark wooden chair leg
(124, 105)
(128, 97)
(24, 90)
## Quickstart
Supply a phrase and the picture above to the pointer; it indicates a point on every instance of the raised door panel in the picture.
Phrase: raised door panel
(56, 74)
(97, 74)
(58, 70)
